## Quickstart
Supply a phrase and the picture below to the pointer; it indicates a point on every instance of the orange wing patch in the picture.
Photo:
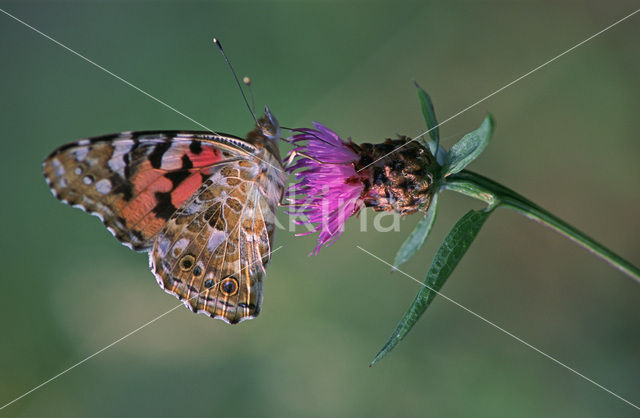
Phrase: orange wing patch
(133, 182)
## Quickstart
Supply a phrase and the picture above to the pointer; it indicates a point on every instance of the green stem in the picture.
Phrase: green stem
(492, 193)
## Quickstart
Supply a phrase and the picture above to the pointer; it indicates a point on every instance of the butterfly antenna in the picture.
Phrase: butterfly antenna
(247, 82)
(219, 45)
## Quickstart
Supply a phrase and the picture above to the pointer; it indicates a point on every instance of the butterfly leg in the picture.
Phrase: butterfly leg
(289, 161)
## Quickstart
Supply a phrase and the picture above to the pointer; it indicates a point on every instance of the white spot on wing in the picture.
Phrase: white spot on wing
(217, 237)
(103, 186)
(179, 246)
(172, 158)
(99, 216)
(163, 246)
(116, 162)
(58, 168)
(81, 153)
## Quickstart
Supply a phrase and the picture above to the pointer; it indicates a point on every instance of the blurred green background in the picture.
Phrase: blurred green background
(567, 138)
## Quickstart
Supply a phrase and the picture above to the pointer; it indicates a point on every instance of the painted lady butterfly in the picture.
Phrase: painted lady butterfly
(202, 204)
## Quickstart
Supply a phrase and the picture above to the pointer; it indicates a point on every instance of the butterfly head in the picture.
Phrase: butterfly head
(267, 133)
(269, 126)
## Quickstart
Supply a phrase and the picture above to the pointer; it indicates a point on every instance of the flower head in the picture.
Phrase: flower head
(336, 178)
(329, 189)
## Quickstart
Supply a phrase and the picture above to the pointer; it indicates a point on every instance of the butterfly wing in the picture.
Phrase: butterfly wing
(135, 181)
(213, 251)
(202, 204)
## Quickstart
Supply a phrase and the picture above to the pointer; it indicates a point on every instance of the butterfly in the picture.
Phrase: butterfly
(202, 205)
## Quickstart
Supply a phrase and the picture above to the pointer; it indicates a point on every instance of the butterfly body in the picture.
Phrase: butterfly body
(202, 204)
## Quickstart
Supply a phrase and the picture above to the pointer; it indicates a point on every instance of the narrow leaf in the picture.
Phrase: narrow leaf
(438, 151)
(418, 235)
(455, 245)
(469, 147)
(429, 115)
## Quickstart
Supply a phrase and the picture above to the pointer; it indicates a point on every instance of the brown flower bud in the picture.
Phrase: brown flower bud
(401, 173)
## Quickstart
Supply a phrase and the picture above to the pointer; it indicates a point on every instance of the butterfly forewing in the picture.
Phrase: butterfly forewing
(133, 181)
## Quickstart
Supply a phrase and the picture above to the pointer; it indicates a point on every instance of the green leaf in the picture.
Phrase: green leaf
(455, 245)
(440, 154)
(429, 115)
(418, 235)
(469, 147)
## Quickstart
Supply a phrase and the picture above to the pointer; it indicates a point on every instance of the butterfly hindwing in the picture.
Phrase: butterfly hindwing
(213, 252)
(134, 181)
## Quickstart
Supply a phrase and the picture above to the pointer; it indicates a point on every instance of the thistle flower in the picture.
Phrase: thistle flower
(329, 190)
(336, 178)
